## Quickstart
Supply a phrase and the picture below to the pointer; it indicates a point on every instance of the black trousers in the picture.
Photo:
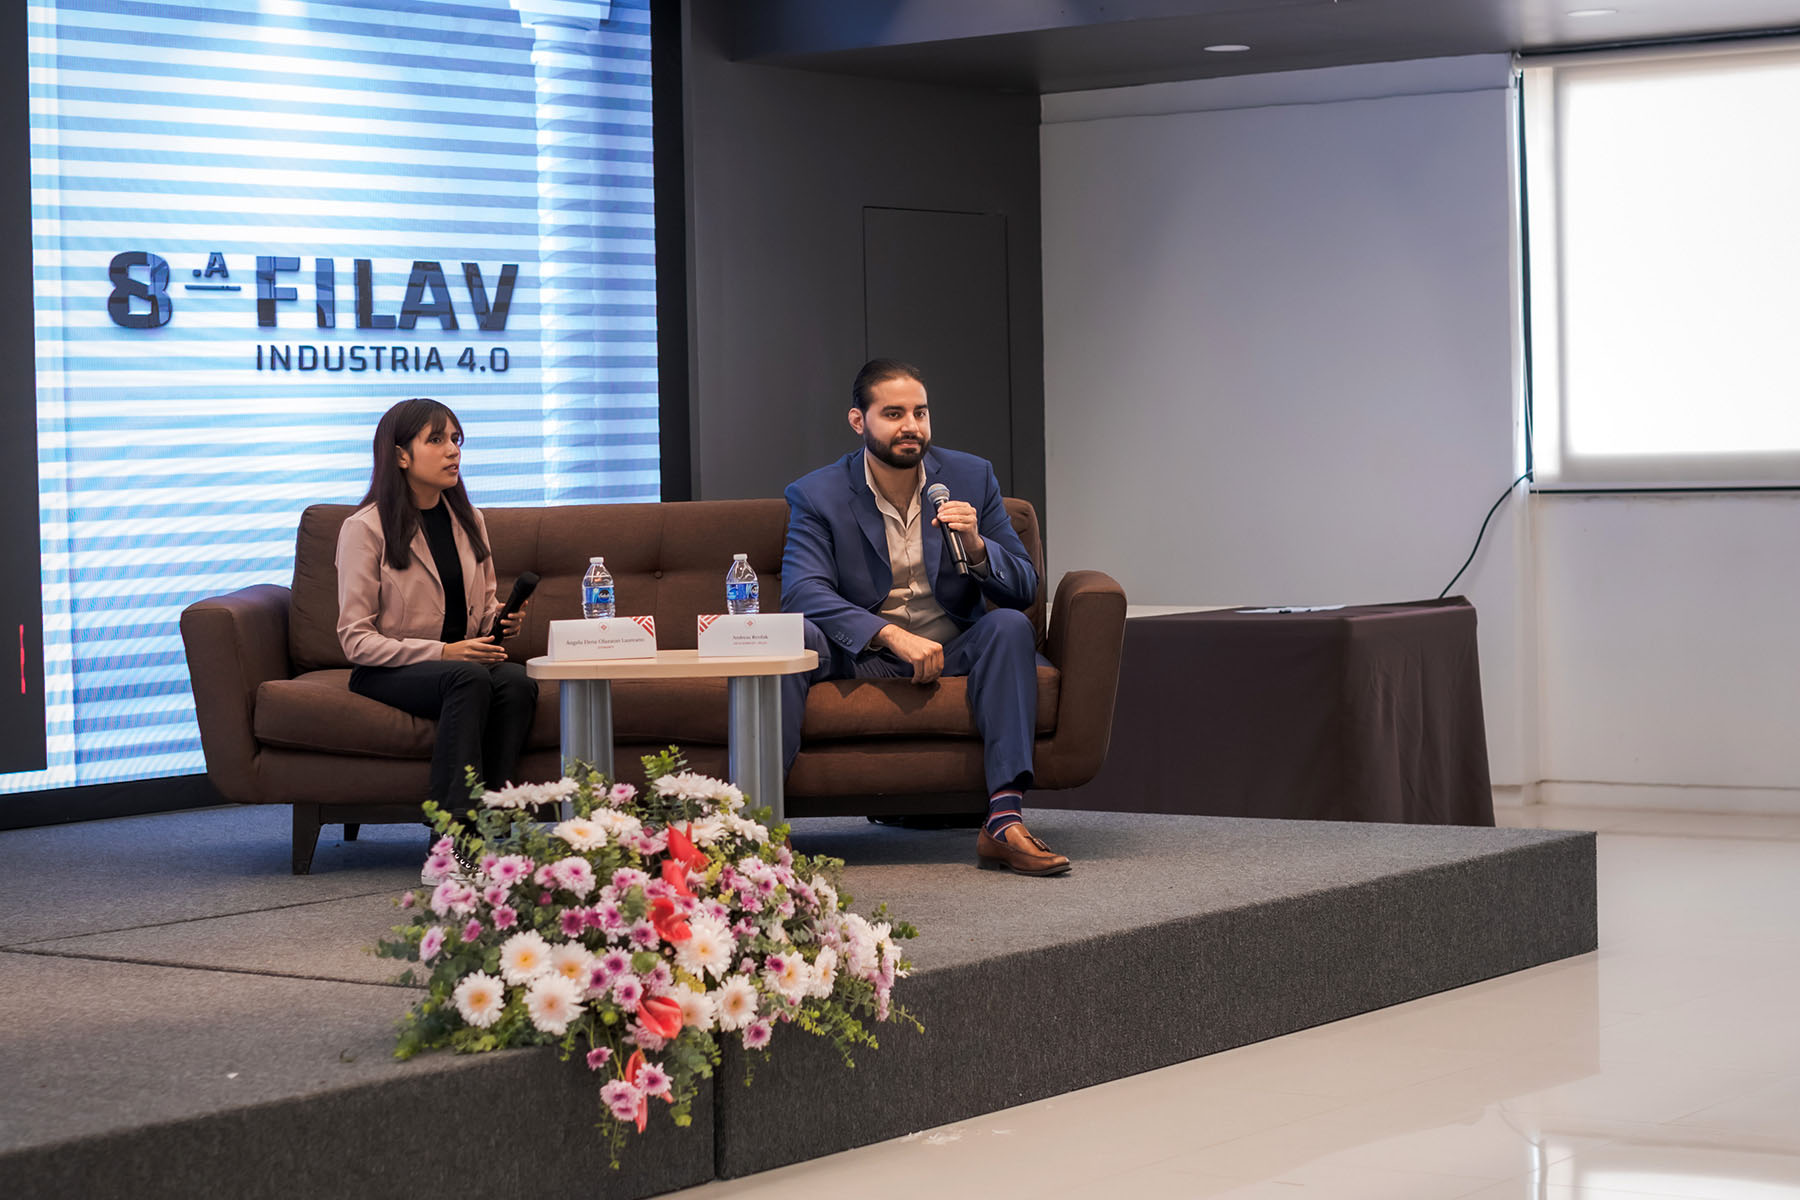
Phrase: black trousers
(483, 716)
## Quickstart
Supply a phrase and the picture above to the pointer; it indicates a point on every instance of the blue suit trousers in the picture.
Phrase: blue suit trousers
(999, 656)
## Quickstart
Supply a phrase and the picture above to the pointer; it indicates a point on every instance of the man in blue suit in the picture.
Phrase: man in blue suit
(883, 597)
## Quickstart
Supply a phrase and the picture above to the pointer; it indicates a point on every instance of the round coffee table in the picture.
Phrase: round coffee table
(753, 688)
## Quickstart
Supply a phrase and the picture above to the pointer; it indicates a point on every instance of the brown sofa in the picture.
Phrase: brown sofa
(279, 724)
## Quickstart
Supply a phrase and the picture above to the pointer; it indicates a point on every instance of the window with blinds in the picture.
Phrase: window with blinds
(258, 223)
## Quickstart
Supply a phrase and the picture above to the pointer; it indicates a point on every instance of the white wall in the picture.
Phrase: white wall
(1670, 649)
(1279, 350)
(1278, 327)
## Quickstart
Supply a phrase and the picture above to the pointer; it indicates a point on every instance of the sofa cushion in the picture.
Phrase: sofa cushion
(318, 711)
(898, 708)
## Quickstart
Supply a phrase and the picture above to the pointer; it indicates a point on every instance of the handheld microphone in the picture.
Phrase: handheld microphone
(937, 493)
(522, 588)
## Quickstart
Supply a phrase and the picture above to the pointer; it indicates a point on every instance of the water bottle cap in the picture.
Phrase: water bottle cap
(740, 558)
(596, 560)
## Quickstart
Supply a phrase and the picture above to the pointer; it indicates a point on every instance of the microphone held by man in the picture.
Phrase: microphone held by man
(939, 495)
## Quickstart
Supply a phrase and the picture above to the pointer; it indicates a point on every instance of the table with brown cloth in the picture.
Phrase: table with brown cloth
(1363, 713)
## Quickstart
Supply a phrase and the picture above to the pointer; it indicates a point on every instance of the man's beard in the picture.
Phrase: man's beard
(885, 452)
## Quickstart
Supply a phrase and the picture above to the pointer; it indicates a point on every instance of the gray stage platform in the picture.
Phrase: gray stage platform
(186, 1018)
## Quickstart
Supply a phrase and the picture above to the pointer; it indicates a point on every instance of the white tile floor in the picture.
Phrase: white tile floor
(1665, 1065)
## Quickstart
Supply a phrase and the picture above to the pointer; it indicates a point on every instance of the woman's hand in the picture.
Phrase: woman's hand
(478, 650)
(511, 624)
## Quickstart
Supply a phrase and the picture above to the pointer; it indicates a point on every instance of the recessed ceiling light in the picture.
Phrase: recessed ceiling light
(1593, 12)
(1225, 48)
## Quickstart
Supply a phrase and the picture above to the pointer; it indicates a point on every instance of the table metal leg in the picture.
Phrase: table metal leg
(587, 729)
(755, 739)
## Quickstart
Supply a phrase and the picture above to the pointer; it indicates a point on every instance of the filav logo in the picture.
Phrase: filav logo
(140, 300)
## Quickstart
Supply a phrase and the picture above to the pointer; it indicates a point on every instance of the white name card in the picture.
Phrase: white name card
(760, 635)
(605, 637)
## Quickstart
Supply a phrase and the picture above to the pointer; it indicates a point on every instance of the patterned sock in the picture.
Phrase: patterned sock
(1003, 810)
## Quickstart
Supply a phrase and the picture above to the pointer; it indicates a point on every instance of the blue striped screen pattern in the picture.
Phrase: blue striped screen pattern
(175, 457)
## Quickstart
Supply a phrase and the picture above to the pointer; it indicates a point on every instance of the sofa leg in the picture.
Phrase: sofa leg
(350, 830)
(306, 836)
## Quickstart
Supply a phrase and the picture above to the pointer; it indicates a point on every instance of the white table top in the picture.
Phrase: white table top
(672, 664)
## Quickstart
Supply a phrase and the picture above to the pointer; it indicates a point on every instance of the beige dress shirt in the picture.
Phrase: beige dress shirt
(910, 604)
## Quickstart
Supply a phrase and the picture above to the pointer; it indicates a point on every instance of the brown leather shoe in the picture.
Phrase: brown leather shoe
(1018, 849)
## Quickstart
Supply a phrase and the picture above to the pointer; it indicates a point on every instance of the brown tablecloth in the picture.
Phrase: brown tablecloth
(1367, 713)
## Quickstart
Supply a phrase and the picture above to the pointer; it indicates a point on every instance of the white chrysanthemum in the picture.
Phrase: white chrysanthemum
(707, 830)
(581, 834)
(735, 1003)
(480, 998)
(518, 795)
(696, 1007)
(824, 972)
(795, 978)
(524, 956)
(828, 897)
(617, 824)
(572, 961)
(552, 1003)
(708, 949)
(690, 785)
(746, 828)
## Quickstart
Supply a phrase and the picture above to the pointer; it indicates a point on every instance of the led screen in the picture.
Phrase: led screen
(258, 223)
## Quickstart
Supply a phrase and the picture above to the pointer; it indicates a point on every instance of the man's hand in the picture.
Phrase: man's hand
(961, 516)
(925, 655)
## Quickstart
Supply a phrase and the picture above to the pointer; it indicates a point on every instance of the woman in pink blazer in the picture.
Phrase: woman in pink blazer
(416, 599)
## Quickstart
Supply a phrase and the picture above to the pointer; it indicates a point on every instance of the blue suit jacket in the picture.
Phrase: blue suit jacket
(835, 568)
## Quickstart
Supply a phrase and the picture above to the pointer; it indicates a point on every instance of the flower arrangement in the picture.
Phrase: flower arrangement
(636, 934)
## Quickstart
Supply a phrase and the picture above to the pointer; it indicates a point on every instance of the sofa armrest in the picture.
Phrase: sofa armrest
(1086, 639)
(235, 643)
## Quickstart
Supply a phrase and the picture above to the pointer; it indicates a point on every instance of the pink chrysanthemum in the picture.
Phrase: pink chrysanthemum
(471, 931)
(431, 943)
(505, 917)
(757, 1034)
(511, 869)
(621, 1099)
(598, 1057)
(654, 1080)
(407, 900)
(643, 935)
(627, 992)
(572, 921)
(610, 918)
(494, 894)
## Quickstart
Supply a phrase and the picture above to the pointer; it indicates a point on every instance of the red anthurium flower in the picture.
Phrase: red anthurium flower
(670, 925)
(660, 1015)
(633, 1065)
(675, 875)
(682, 848)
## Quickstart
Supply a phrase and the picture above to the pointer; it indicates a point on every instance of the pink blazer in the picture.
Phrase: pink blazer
(389, 618)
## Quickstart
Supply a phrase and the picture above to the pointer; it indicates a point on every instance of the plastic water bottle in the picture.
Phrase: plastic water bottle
(597, 591)
(740, 587)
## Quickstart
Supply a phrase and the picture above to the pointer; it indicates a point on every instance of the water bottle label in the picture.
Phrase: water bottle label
(596, 594)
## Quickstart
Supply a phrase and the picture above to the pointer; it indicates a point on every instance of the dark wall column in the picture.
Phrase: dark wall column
(781, 165)
(21, 607)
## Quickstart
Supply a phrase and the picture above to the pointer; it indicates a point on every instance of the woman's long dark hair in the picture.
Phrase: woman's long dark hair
(388, 489)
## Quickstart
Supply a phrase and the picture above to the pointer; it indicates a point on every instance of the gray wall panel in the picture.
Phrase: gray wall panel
(781, 165)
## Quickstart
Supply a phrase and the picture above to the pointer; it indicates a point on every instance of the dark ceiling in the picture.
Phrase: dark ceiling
(1067, 45)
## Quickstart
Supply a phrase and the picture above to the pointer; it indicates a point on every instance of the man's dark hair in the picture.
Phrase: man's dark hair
(879, 371)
